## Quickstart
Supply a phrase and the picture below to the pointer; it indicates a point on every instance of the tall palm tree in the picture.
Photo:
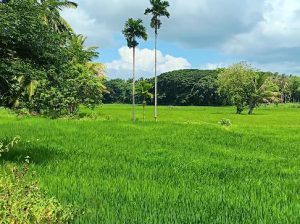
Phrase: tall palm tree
(158, 9)
(53, 18)
(134, 29)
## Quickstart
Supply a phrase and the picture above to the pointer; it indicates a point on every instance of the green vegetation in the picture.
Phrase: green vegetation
(195, 87)
(244, 86)
(44, 65)
(21, 200)
(185, 169)
(158, 9)
(134, 29)
(198, 165)
(143, 91)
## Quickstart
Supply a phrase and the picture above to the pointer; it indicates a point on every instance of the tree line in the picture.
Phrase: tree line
(46, 68)
(239, 85)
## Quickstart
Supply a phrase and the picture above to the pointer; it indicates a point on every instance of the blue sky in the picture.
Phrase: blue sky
(203, 34)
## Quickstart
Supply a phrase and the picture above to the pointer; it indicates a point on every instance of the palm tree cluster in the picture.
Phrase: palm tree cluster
(134, 29)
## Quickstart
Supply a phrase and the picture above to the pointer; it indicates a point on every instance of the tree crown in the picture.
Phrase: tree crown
(158, 9)
(134, 29)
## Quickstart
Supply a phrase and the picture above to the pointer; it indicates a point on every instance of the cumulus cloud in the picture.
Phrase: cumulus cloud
(102, 20)
(265, 32)
(275, 38)
(205, 23)
(144, 63)
(212, 66)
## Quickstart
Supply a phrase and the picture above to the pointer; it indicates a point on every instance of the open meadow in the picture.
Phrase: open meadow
(186, 168)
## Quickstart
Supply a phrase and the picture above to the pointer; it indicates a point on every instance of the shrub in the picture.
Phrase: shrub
(22, 201)
(7, 145)
(225, 122)
(76, 86)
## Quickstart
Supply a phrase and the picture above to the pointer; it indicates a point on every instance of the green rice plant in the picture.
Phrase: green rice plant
(172, 171)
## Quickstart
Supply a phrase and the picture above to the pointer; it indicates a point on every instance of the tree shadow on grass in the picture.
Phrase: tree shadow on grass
(38, 155)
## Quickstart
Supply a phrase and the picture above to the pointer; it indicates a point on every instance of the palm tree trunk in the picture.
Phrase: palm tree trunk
(155, 81)
(133, 86)
(144, 114)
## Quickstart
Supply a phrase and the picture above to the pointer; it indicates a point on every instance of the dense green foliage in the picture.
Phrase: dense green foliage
(189, 87)
(244, 86)
(182, 87)
(186, 169)
(39, 53)
(201, 88)
(118, 91)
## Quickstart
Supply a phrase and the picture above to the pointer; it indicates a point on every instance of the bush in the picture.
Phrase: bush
(7, 145)
(78, 86)
(22, 201)
(225, 122)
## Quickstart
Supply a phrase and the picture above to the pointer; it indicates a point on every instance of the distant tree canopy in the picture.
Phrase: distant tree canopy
(44, 65)
(195, 87)
(189, 87)
(182, 87)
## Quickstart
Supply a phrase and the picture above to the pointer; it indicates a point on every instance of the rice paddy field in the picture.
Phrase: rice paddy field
(186, 168)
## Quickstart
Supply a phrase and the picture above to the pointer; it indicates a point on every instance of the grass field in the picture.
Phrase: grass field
(184, 169)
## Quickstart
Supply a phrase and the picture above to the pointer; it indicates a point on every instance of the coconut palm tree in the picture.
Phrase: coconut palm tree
(53, 18)
(158, 9)
(144, 88)
(264, 91)
(134, 29)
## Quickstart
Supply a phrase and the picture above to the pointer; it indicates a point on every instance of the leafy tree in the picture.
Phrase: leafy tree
(63, 96)
(144, 88)
(134, 29)
(283, 83)
(158, 9)
(118, 91)
(36, 59)
(189, 87)
(246, 86)
(295, 89)
(236, 82)
(205, 92)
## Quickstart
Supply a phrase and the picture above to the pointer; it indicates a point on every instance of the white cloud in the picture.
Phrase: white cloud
(144, 63)
(275, 38)
(98, 33)
(212, 66)
(199, 23)
(265, 32)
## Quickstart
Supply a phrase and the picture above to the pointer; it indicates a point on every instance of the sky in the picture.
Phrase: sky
(200, 34)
